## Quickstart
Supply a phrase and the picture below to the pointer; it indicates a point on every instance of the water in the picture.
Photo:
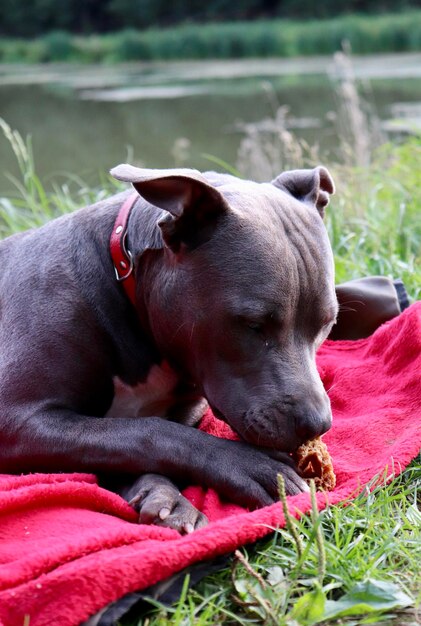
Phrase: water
(84, 120)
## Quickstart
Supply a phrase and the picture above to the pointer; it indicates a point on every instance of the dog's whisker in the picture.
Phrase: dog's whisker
(332, 386)
(178, 329)
(344, 305)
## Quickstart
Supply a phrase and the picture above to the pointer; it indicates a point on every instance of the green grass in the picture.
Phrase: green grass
(374, 220)
(372, 546)
(32, 205)
(261, 38)
(372, 569)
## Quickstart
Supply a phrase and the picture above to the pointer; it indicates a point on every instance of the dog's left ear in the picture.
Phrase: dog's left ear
(313, 186)
(193, 205)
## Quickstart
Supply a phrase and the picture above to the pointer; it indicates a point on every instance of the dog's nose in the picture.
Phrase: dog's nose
(312, 423)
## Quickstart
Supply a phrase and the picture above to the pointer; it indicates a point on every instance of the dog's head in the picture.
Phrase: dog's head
(243, 294)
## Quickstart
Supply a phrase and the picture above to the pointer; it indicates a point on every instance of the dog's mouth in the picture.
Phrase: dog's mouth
(289, 449)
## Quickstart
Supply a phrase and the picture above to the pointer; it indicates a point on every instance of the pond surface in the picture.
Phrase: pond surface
(85, 119)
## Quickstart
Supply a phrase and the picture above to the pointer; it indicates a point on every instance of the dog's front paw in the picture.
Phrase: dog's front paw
(247, 475)
(159, 502)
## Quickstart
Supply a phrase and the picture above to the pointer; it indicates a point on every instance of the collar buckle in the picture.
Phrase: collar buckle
(124, 265)
(122, 258)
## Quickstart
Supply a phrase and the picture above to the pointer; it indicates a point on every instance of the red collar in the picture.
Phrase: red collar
(121, 256)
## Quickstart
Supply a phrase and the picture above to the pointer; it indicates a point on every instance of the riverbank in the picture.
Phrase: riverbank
(275, 38)
(82, 117)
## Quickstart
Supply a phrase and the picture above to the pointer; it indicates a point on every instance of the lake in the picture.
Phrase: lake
(85, 119)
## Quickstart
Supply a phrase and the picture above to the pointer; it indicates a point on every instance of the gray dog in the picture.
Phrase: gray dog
(232, 293)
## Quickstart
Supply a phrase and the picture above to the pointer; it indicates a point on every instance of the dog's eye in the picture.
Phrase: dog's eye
(256, 327)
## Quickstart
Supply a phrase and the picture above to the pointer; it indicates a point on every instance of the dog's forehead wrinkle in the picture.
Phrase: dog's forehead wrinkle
(309, 242)
(273, 212)
(251, 200)
(313, 264)
(244, 274)
(244, 244)
(244, 256)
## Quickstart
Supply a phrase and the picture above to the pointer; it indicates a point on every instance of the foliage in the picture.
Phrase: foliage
(28, 19)
(32, 205)
(277, 38)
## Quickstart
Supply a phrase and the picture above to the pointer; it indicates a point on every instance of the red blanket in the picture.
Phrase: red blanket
(68, 547)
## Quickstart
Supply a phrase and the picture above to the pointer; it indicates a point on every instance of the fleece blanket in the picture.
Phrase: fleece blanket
(69, 547)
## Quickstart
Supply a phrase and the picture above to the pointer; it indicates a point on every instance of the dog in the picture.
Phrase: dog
(231, 292)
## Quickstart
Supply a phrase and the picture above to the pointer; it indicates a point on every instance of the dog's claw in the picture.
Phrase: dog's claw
(135, 500)
(163, 513)
(158, 501)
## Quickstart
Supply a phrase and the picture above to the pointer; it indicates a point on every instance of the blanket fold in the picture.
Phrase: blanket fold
(69, 547)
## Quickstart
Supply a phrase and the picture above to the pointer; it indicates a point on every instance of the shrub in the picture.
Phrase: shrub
(280, 37)
(58, 46)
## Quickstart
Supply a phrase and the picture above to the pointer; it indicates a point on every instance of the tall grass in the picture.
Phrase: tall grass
(32, 205)
(277, 38)
(374, 219)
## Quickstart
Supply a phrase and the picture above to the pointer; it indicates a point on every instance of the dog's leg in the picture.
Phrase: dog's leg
(157, 500)
(61, 440)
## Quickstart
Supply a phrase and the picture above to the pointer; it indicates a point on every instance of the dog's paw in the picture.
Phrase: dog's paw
(159, 502)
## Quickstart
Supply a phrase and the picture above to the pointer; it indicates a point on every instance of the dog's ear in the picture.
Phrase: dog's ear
(193, 205)
(313, 186)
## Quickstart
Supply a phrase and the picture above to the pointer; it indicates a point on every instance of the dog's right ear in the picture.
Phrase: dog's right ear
(313, 186)
(193, 205)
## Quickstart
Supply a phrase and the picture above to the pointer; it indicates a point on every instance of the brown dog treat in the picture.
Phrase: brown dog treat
(313, 461)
